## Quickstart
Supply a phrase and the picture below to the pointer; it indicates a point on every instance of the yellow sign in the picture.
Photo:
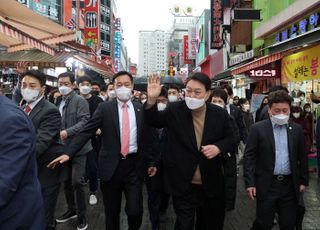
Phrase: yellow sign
(301, 66)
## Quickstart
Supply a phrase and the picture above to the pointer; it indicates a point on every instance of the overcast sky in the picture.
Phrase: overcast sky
(149, 15)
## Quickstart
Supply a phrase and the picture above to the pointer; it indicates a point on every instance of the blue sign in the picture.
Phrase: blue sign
(301, 27)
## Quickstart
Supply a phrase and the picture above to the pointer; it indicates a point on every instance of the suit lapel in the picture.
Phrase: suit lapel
(115, 116)
(36, 109)
(187, 122)
(270, 136)
(138, 120)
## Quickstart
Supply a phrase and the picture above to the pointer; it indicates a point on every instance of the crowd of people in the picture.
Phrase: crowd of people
(186, 145)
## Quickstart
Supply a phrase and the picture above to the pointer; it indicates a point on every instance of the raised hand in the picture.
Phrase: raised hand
(154, 89)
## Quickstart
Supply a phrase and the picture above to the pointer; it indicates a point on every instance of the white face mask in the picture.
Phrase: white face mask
(30, 95)
(85, 89)
(246, 107)
(143, 101)
(112, 94)
(123, 93)
(172, 98)
(280, 119)
(308, 110)
(65, 90)
(194, 103)
(161, 106)
(230, 101)
(220, 105)
(296, 115)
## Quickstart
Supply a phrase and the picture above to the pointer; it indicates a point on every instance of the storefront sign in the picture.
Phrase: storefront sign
(298, 28)
(241, 57)
(91, 29)
(192, 35)
(117, 45)
(263, 73)
(302, 66)
(216, 20)
(186, 50)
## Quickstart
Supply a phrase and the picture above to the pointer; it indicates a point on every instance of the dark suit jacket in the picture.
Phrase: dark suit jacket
(259, 157)
(21, 204)
(236, 113)
(183, 154)
(46, 119)
(106, 118)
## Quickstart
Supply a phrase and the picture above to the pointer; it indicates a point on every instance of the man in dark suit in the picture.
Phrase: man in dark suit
(46, 120)
(21, 206)
(275, 165)
(122, 158)
(199, 134)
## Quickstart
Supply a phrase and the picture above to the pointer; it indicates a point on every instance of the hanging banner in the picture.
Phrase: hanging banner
(301, 66)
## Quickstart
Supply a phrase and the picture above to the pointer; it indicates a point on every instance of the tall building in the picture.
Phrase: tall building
(153, 46)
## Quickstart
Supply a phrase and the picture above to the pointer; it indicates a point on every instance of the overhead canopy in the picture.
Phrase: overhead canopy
(34, 58)
(257, 63)
(17, 20)
(100, 68)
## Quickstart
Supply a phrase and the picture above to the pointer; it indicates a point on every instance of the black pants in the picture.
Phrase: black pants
(210, 211)
(155, 195)
(281, 200)
(50, 197)
(74, 188)
(125, 179)
(92, 171)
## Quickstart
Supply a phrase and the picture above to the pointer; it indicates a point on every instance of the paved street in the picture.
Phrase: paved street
(240, 218)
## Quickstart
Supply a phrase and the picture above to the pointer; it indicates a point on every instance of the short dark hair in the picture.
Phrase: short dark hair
(174, 86)
(70, 75)
(110, 83)
(218, 92)
(164, 93)
(243, 101)
(121, 73)
(228, 88)
(84, 78)
(96, 83)
(278, 87)
(39, 75)
(279, 96)
(202, 78)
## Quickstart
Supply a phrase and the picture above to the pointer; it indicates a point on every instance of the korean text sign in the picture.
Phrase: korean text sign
(302, 66)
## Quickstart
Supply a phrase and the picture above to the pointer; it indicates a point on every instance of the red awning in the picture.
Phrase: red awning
(257, 63)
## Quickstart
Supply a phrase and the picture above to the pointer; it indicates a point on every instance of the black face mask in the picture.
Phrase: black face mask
(95, 93)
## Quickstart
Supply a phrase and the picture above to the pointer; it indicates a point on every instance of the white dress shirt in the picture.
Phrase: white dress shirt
(133, 147)
(33, 104)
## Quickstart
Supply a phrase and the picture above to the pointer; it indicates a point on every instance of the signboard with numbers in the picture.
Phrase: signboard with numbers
(302, 66)
(91, 29)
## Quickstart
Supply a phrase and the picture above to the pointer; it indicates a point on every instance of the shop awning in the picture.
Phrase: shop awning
(34, 58)
(25, 28)
(95, 66)
(257, 63)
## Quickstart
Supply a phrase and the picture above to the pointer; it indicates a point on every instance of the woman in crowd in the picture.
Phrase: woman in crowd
(247, 115)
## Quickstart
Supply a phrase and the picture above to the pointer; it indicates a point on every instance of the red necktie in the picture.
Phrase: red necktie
(125, 131)
(27, 109)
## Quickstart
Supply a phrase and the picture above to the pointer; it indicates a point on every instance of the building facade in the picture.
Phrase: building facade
(153, 50)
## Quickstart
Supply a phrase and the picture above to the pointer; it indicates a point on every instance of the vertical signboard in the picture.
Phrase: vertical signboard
(105, 27)
(192, 40)
(186, 60)
(117, 45)
(91, 31)
(216, 22)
